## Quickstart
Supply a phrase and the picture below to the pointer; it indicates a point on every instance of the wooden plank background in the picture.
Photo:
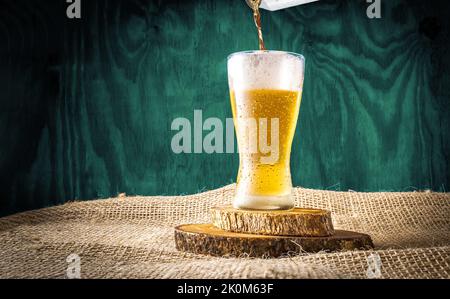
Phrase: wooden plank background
(86, 105)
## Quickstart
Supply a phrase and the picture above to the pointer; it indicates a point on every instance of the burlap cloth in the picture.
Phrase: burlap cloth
(132, 237)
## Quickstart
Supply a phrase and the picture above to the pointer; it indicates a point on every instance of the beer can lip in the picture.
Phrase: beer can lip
(256, 52)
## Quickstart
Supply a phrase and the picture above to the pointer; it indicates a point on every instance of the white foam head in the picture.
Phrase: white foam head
(265, 70)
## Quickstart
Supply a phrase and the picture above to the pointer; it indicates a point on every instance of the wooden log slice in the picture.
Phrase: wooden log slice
(207, 239)
(293, 222)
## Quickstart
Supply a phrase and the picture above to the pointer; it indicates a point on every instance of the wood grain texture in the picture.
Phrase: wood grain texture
(86, 105)
(293, 222)
(207, 239)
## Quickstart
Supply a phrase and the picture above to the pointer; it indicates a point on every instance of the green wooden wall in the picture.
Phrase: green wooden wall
(86, 105)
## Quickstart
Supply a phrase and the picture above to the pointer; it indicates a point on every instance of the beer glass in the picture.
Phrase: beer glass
(265, 91)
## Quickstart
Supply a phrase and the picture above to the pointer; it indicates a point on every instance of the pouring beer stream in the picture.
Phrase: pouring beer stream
(254, 5)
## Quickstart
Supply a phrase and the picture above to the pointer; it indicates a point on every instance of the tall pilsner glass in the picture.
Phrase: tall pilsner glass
(265, 90)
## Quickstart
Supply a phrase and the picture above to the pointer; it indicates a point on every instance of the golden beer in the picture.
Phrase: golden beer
(265, 110)
(266, 179)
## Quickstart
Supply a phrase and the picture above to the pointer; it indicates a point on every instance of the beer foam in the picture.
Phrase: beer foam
(265, 70)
